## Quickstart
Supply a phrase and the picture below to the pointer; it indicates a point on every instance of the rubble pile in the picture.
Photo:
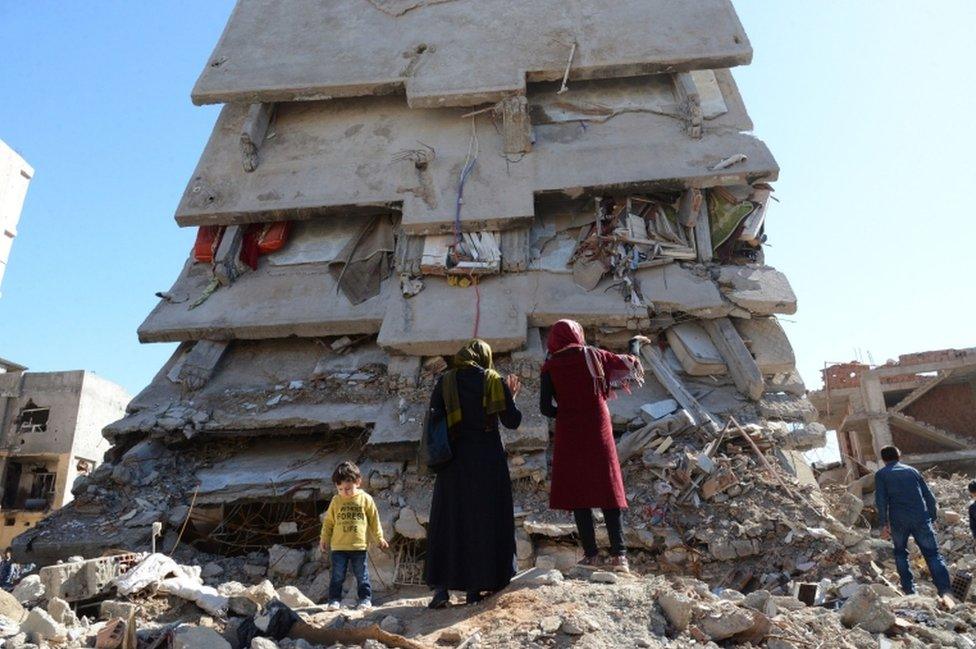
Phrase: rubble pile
(364, 207)
(156, 602)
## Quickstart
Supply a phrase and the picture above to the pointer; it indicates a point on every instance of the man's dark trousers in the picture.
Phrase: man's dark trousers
(924, 535)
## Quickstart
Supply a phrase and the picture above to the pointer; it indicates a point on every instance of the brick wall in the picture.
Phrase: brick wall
(951, 407)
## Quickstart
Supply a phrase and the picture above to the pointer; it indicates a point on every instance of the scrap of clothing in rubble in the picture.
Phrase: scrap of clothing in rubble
(725, 215)
(364, 262)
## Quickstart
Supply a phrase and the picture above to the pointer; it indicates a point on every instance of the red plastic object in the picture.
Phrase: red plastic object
(273, 236)
(208, 238)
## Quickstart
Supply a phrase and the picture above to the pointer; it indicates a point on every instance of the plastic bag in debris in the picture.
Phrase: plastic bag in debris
(151, 570)
(205, 597)
(274, 622)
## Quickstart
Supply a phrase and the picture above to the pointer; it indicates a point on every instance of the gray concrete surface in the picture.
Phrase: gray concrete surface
(258, 302)
(330, 159)
(457, 53)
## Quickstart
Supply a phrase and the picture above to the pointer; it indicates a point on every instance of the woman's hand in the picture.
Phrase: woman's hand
(514, 384)
(636, 342)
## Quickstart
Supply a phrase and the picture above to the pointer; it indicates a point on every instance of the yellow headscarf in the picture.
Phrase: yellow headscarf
(476, 353)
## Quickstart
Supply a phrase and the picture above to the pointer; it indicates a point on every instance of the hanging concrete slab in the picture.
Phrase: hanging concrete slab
(695, 350)
(270, 471)
(359, 155)
(761, 290)
(768, 344)
(441, 318)
(459, 53)
(272, 302)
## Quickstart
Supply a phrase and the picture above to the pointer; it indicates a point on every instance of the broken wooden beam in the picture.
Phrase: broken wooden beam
(703, 234)
(253, 132)
(742, 366)
(666, 377)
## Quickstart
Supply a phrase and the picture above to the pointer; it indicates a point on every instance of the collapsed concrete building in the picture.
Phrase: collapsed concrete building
(15, 176)
(388, 179)
(924, 403)
(50, 433)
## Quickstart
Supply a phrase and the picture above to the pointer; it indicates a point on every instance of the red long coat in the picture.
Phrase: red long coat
(585, 469)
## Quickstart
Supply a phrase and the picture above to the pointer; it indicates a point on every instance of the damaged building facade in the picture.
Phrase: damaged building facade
(50, 433)
(15, 176)
(924, 403)
(389, 179)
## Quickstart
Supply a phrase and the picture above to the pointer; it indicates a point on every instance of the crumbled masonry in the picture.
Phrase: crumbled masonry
(364, 211)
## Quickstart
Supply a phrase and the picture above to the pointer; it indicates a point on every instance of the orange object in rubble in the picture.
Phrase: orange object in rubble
(273, 236)
(208, 238)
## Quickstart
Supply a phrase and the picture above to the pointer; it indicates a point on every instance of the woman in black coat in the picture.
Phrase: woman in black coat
(471, 534)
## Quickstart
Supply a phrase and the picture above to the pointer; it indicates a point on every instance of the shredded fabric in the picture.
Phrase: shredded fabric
(475, 354)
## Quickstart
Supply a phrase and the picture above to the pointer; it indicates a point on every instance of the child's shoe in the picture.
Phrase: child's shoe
(619, 564)
(364, 605)
(334, 605)
(589, 562)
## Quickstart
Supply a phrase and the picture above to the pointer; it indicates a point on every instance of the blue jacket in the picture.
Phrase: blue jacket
(902, 497)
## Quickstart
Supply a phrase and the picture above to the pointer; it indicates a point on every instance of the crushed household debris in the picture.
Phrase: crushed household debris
(331, 283)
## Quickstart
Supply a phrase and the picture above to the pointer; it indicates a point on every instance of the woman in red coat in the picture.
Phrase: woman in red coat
(585, 470)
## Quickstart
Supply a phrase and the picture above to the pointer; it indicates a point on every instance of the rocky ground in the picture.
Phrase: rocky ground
(543, 607)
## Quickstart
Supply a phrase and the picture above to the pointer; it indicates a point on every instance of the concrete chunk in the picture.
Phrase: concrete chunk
(761, 290)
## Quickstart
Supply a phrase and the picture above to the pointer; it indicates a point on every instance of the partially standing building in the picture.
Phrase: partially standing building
(15, 176)
(50, 433)
(924, 403)
(388, 179)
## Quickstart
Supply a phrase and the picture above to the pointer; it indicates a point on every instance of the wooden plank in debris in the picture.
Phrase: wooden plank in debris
(667, 378)
(703, 234)
(664, 446)
(514, 246)
(717, 484)
(433, 261)
(742, 366)
(253, 132)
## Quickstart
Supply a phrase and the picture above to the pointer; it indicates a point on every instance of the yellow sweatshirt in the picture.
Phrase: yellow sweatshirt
(349, 521)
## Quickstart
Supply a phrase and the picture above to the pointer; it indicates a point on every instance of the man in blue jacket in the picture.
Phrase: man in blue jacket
(906, 507)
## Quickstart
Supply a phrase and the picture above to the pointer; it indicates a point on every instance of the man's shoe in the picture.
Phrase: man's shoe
(364, 605)
(619, 564)
(334, 605)
(472, 597)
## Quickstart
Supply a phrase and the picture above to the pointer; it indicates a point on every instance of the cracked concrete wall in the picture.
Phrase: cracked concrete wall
(330, 159)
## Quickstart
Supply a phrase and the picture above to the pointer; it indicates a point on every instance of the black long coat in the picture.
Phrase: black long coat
(471, 533)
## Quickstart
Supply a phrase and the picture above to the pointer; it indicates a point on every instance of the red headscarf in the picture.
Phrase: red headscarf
(568, 334)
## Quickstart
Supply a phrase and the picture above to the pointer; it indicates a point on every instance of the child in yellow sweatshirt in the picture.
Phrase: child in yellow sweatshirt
(349, 523)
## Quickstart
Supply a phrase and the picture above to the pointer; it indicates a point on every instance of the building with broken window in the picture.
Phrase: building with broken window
(50, 433)
(388, 179)
(15, 176)
(924, 403)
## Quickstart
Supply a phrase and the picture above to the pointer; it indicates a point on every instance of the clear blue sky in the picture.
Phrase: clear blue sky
(868, 107)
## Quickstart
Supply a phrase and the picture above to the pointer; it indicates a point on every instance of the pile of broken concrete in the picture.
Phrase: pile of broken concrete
(155, 602)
